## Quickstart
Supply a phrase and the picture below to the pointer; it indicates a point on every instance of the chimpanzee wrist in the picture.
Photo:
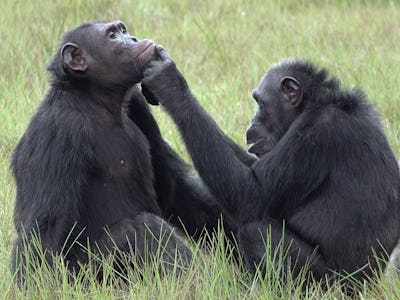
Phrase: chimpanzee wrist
(181, 106)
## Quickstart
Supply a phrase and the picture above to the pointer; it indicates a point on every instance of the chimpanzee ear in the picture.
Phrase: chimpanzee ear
(292, 90)
(72, 55)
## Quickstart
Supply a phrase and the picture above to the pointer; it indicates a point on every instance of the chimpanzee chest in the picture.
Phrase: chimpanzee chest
(122, 154)
(120, 183)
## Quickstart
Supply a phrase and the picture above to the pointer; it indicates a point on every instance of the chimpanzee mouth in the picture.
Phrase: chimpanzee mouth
(148, 46)
(149, 43)
(253, 146)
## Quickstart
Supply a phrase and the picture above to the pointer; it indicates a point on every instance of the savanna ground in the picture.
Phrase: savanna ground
(223, 48)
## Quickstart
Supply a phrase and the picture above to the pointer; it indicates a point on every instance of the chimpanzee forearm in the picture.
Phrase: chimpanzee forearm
(178, 191)
(228, 177)
(241, 154)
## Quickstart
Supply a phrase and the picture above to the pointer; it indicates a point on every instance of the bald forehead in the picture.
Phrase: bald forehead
(95, 26)
(272, 78)
(107, 25)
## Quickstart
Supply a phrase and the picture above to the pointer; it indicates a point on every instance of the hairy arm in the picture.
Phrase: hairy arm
(50, 166)
(182, 196)
(299, 164)
(225, 169)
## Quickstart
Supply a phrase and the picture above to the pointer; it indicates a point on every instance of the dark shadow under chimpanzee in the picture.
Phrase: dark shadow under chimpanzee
(324, 167)
(92, 161)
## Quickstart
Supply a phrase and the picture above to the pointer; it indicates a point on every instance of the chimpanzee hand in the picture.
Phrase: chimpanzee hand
(162, 81)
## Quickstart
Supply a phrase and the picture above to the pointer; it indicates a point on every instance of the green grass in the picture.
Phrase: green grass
(223, 48)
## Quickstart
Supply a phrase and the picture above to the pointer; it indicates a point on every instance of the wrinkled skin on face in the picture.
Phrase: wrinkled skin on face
(106, 54)
(278, 98)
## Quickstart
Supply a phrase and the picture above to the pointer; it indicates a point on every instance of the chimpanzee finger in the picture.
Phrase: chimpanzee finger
(161, 53)
(149, 95)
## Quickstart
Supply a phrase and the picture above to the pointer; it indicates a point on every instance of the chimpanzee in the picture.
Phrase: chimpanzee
(325, 176)
(92, 165)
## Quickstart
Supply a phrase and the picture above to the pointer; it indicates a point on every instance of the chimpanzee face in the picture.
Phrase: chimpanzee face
(107, 54)
(277, 97)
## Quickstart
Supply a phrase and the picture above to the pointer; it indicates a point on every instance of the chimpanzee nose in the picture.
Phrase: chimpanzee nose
(134, 39)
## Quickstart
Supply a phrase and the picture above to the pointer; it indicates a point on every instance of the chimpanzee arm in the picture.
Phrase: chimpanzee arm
(50, 165)
(241, 154)
(242, 190)
(300, 162)
(167, 165)
(185, 201)
(140, 114)
(229, 178)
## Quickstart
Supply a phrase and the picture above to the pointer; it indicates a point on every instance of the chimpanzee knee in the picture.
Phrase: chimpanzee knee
(145, 238)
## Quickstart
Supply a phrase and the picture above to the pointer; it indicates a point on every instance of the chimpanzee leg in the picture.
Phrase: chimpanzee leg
(145, 237)
(254, 237)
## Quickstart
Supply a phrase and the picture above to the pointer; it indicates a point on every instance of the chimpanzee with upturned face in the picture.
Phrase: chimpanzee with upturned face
(325, 177)
(92, 169)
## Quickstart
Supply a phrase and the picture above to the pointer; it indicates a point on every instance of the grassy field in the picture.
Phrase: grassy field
(223, 48)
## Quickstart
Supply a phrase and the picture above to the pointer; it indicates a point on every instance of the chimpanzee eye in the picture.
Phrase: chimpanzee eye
(124, 31)
(112, 35)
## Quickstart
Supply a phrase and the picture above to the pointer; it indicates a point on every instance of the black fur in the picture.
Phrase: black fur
(88, 162)
(324, 167)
